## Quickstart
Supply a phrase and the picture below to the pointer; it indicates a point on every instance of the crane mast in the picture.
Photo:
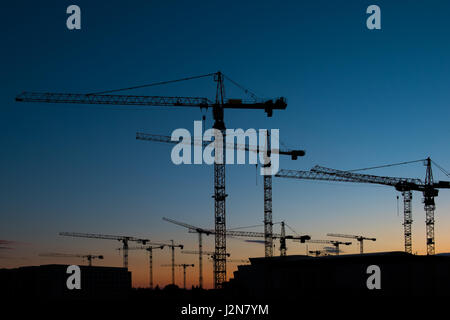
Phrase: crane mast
(200, 260)
(220, 262)
(172, 246)
(429, 205)
(268, 224)
(407, 220)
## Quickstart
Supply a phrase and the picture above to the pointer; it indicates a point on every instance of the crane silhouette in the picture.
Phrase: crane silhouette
(428, 187)
(123, 239)
(218, 106)
(294, 154)
(88, 257)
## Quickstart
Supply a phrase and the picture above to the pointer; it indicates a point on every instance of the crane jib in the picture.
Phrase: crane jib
(114, 99)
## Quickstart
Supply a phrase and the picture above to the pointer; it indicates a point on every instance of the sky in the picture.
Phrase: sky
(356, 98)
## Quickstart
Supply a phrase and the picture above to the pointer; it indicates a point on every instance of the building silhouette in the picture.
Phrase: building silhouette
(291, 277)
(49, 282)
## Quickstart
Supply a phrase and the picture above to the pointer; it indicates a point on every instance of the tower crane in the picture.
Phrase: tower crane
(218, 106)
(88, 257)
(234, 233)
(294, 154)
(201, 253)
(283, 237)
(172, 247)
(360, 239)
(184, 266)
(123, 239)
(428, 187)
(335, 243)
(149, 249)
(200, 232)
(254, 234)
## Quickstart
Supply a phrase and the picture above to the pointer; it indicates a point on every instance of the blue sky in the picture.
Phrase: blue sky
(356, 98)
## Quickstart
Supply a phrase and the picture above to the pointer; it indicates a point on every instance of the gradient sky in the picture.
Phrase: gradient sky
(356, 98)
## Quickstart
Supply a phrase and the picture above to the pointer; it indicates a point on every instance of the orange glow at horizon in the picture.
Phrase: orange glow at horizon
(139, 264)
(389, 234)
